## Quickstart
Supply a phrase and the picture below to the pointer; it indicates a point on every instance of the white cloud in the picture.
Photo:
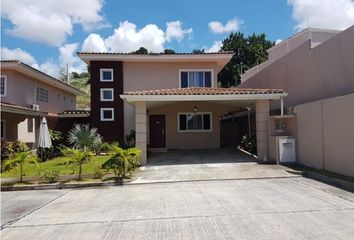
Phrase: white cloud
(330, 14)
(51, 21)
(231, 26)
(17, 54)
(278, 41)
(127, 38)
(94, 43)
(215, 47)
(174, 30)
(67, 55)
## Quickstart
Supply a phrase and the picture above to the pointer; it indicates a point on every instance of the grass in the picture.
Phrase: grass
(60, 164)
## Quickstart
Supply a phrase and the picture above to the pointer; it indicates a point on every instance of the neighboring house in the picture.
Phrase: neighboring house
(316, 69)
(170, 100)
(26, 95)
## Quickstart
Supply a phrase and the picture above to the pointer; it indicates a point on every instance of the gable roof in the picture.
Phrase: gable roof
(39, 75)
(222, 58)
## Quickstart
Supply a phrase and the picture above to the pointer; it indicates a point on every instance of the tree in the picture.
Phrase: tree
(198, 51)
(79, 157)
(249, 52)
(169, 51)
(141, 50)
(18, 160)
(84, 138)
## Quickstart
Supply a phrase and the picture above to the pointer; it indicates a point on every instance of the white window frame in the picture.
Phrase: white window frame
(102, 95)
(36, 94)
(195, 70)
(5, 86)
(101, 74)
(3, 123)
(107, 119)
(193, 131)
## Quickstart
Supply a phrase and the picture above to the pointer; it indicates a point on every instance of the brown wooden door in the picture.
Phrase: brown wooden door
(157, 131)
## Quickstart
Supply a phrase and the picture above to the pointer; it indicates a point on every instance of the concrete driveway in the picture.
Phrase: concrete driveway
(201, 165)
(280, 208)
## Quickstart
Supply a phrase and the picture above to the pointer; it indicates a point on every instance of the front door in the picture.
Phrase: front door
(157, 131)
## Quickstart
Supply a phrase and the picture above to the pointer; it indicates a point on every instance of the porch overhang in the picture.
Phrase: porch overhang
(202, 94)
(10, 108)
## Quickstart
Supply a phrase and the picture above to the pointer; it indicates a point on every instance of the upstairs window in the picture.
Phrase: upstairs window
(3, 86)
(194, 122)
(195, 78)
(42, 95)
(107, 94)
(107, 114)
(106, 75)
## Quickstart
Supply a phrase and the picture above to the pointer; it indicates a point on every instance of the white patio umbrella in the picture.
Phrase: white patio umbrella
(44, 140)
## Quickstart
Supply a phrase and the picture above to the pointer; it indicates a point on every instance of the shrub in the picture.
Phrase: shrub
(102, 147)
(82, 137)
(123, 161)
(50, 176)
(8, 148)
(249, 144)
(130, 139)
(98, 171)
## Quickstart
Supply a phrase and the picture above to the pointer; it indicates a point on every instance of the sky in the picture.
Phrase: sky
(46, 34)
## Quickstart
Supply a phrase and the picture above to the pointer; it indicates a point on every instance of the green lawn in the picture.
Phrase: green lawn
(60, 163)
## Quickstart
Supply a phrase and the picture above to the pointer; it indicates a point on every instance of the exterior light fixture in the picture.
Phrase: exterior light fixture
(195, 109)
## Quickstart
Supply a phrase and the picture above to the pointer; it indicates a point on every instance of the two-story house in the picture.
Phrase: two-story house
(26, 95)
(171, 100)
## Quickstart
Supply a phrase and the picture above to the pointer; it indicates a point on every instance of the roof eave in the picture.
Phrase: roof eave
(182, 98)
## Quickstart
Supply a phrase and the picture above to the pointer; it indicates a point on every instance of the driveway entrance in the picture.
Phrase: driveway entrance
(206, 164)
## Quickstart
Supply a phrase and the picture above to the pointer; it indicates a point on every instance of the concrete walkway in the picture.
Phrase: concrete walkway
(284, 208)
(201, 165)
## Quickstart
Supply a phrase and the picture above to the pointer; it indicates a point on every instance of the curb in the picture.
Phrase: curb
(343, 184)
(59, 186)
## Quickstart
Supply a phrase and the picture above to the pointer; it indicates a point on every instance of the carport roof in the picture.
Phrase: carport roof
(203, 93)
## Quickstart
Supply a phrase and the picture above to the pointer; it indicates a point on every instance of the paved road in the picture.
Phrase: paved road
(279, 208)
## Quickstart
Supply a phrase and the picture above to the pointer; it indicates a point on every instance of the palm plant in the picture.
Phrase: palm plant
(123, 161)
(18, 160)
(82, 137)
(79, 157)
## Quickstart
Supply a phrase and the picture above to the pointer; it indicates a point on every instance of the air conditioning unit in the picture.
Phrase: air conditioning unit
(35, 107)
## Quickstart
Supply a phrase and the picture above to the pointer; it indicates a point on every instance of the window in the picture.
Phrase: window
(3, 86)
(42, 94)
(107, 114)
(3, 129)
(196, 78)
(194, 122)
(30, 125)
(106, 75)
(107, 94)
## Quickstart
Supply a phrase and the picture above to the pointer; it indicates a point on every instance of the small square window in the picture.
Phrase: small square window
(107, 114)
(106, 75)
(107, 94)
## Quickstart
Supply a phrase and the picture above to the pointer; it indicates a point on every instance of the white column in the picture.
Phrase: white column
(140, 130)
(262, 118)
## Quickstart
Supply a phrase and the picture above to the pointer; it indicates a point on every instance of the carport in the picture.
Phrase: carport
(159, 125)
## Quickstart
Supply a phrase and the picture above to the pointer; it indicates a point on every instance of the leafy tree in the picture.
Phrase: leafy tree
(169, 51)
(198, 51)
(141, 50)
(123, 161)
(18, 160)
(249, 52)
(84, 138)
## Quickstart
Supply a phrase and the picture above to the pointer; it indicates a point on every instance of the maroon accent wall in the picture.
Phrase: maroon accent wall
(109, 130)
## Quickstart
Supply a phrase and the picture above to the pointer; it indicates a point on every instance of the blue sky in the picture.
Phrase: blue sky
(47, 34)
